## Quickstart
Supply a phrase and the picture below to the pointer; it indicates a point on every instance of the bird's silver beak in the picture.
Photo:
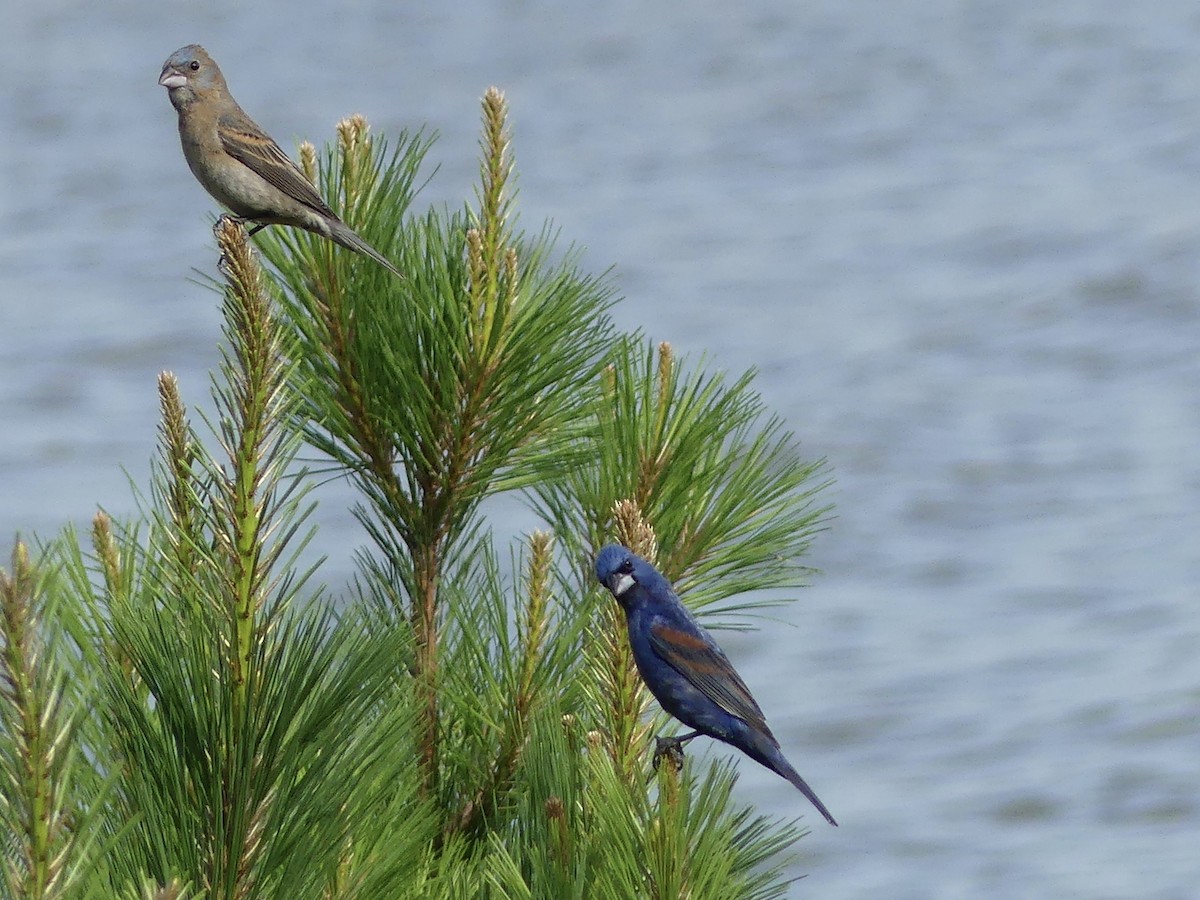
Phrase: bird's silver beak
(619, 583)
(171, 79)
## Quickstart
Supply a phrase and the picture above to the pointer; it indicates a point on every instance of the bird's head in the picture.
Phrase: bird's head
(621, 571)
(188, 70)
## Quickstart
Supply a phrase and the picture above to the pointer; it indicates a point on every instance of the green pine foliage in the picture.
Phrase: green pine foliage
(185, 712)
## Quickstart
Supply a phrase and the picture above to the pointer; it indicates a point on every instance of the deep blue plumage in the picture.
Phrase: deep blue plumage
(684, 668)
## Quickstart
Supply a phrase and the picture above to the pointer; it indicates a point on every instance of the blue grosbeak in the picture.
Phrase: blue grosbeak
(686, 671)
(238, 163)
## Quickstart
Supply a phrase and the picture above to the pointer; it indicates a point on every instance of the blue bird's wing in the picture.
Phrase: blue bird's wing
(253, 148)
(703, 664)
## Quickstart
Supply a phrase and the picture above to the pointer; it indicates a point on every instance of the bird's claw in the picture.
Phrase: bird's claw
(233, 220)
(670, 749)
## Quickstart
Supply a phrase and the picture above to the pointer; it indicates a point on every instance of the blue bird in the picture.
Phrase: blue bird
(686, 671)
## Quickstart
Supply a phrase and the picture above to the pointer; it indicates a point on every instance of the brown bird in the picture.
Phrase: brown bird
(238, 163)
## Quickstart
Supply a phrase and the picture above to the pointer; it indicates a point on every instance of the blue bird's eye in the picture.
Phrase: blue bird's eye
(627, 566)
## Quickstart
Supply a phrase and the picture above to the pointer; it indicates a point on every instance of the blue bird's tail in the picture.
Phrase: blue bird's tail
(768, 753)
(784, 768)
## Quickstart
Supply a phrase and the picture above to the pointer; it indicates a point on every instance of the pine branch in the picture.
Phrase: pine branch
(526, 688)
(49, 825)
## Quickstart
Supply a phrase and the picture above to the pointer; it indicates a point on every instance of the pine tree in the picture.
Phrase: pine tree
(186, 713)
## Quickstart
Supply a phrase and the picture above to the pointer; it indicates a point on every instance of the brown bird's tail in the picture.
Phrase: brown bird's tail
(343, 234)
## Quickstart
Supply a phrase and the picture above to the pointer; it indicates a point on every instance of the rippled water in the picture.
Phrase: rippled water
(959, 239)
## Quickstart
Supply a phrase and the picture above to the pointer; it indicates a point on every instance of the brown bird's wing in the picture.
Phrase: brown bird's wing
(251, 146)
(706, 667)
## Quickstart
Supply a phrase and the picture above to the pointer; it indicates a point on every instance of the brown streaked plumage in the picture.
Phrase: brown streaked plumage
(238, 163)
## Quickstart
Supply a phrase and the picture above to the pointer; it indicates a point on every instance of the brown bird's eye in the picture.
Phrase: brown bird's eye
(195, 66)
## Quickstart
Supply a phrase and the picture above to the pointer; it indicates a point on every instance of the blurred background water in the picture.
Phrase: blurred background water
(959, 239)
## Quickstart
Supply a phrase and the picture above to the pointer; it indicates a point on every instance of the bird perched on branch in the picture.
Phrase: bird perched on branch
(238, 163)
(686, 671)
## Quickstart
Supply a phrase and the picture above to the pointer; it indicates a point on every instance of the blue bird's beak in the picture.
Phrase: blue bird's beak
(619, 583)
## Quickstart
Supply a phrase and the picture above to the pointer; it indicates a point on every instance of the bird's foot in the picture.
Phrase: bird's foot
(237, 220)
(219, 225)
(669, 748)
